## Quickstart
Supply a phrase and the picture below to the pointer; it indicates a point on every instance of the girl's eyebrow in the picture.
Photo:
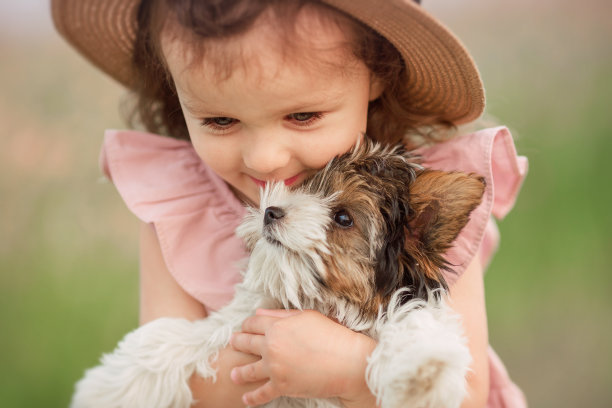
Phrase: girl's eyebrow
(195, 108)
(312, 105)
(200, 108)
(318, 103)
(314, 101)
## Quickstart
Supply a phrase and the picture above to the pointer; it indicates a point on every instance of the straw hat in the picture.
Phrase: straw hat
(442, 74)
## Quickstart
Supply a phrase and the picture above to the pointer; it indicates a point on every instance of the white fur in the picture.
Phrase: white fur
(417, 342)
(421, 358)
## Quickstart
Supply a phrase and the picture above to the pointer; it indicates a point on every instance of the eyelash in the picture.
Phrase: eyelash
(215, 127)
(210, 123)
(315, 117)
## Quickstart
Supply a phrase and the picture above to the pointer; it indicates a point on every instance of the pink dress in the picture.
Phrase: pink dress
(164, 182)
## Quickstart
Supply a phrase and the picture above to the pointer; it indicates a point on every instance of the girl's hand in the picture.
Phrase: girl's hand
(303, 354)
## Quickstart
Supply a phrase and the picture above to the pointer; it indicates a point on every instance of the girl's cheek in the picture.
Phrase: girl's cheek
(210, 152)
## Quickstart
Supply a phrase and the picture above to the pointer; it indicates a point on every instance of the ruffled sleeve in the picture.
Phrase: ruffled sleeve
(164, 182)
(489, 153)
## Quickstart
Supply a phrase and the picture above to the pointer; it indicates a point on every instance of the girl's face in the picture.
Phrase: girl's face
(274, 116)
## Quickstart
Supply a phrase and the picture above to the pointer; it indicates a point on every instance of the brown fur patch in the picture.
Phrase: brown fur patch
(441, 203)
(425, 378)
(350, 267)
(404, 219)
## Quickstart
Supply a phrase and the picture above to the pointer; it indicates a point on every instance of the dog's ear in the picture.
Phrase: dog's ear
(440, 205)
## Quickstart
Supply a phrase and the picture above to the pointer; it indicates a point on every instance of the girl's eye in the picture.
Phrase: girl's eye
(343, 219)
(219, 123)
(304, 118)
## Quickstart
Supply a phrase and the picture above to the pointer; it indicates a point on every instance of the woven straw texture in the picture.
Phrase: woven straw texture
(441, 74)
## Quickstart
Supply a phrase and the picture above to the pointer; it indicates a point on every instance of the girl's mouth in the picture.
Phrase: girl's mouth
(287, 182)
(291, 180)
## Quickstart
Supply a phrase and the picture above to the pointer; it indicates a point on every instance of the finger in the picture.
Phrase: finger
(249, 373)
(277, 312)
(258, 324)
(248, 343)
(261, 395)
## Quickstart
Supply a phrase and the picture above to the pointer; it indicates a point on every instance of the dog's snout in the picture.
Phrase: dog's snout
(273, 214)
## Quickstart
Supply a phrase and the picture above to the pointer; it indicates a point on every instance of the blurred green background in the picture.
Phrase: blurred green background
(68, 245)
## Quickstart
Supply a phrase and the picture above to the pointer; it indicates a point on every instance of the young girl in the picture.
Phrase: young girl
(270, 90)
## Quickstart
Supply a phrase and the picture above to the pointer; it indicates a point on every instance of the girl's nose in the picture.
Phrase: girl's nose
(267, 153)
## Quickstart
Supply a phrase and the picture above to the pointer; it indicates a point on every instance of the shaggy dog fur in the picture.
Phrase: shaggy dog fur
(361, 241)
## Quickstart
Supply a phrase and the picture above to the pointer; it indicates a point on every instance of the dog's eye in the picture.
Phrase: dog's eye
(343, 219)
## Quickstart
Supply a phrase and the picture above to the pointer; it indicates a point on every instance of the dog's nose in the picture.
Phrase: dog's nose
(273, 214)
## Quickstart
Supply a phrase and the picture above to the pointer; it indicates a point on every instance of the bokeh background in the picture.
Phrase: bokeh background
(68, 245)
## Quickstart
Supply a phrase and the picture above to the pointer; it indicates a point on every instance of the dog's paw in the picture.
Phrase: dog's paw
(421, 359)
(150, 367)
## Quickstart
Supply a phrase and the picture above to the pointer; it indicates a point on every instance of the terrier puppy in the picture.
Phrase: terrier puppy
(361, 241)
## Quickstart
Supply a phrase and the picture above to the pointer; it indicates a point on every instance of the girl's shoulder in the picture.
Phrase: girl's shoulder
(490, 153)
(164, 182)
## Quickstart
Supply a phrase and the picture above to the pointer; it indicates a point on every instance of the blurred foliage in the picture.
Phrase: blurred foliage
(68, 245)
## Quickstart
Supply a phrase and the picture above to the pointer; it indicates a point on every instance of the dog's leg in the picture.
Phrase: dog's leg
(421, 359)
(152, 365)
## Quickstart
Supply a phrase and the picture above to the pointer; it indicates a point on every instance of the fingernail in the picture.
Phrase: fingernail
(234, 375)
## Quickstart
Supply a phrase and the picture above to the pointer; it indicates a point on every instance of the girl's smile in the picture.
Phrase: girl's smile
(272, 117)
(288, 182)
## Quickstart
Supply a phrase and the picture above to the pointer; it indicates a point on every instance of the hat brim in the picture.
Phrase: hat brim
(442, 76)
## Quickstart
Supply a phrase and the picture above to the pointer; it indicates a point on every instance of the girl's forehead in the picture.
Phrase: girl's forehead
(265, 83)
(313, 44)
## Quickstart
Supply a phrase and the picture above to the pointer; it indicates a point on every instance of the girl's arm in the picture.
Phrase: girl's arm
(305, 354)
(161, 296)
(467, 298)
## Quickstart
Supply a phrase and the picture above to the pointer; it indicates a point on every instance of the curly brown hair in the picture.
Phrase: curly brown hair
(391, 117)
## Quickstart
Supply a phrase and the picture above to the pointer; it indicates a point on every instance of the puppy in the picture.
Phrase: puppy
(361, 241)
